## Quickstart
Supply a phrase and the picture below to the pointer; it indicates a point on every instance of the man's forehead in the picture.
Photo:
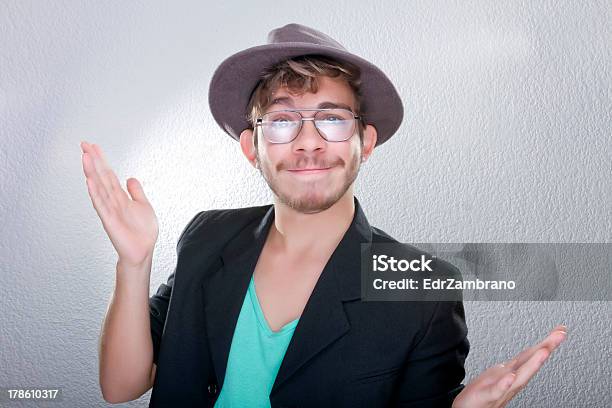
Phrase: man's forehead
(283, 97)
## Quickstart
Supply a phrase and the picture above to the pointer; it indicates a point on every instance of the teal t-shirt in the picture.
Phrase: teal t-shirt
(255, 356)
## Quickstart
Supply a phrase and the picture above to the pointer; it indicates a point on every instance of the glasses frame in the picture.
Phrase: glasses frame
(259, 122)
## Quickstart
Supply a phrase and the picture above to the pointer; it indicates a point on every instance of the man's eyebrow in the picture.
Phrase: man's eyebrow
(284, 100)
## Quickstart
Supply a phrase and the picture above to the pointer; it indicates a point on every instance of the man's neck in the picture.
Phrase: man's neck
(295, 233)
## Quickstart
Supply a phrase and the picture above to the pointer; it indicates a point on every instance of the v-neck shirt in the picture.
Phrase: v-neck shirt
(255, 356)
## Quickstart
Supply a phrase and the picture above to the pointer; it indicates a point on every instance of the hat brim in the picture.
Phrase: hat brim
(237, 76)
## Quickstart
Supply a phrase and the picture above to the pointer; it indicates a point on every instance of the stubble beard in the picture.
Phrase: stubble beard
(312, 201)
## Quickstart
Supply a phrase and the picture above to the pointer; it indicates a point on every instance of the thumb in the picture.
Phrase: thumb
(135, 189)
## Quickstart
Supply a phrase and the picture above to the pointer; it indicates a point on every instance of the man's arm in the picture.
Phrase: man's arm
(132, 331)
(126, 348)
(433, 372)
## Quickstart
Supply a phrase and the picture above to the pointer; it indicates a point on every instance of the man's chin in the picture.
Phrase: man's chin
(308, 205)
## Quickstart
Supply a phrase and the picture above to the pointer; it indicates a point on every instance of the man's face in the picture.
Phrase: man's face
(310, 174)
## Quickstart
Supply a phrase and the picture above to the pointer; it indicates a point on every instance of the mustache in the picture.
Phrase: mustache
(309, 162)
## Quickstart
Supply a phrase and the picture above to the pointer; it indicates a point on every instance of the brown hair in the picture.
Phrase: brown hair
(300, 75)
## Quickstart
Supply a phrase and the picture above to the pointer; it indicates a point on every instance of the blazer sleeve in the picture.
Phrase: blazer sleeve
(434, 370)
(159, 302)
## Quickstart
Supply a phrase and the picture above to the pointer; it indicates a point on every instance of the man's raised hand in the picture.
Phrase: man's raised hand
(497, 385)
(129, 221)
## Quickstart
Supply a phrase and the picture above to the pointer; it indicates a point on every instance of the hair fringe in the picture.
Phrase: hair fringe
(300, 75)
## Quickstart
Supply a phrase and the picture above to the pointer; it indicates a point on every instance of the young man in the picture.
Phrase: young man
(264, 307)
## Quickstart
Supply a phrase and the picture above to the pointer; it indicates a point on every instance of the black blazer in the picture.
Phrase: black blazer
(343, 353)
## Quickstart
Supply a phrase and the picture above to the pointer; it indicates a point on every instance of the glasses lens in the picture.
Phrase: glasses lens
(335, 124)
(281, 126)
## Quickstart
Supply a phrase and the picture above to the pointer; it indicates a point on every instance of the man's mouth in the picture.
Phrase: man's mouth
(309, 170)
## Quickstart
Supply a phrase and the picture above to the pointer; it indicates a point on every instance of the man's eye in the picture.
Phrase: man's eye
(332, 119)
(282, 122)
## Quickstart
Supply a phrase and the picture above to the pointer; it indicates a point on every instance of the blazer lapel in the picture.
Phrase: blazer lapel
(324, 320)
(224, 292)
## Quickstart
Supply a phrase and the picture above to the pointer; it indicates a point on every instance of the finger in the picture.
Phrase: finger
(93, 178)
(87, 152)
(527, 371)
(560, 327)
(136, 191)
(98, 202)
(109, 179)
(494, 374)
(497, 390)
(116, 188)
(91, 170)
(102, 166)
(551, 342)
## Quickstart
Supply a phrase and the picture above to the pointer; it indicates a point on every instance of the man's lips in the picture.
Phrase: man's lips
(309, 170)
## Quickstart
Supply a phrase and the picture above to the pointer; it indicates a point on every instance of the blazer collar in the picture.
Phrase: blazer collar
(323, 320)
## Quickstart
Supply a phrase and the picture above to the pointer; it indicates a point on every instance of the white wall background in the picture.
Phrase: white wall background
(506, 138)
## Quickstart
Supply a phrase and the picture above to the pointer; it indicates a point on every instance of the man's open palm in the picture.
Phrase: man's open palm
(496, 386)
(129, 221)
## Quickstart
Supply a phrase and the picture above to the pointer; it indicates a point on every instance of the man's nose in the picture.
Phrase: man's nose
(308, 138)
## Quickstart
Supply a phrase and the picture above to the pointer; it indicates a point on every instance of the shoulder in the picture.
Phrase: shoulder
(223, 216)
(220, 222)
(442, 266)
(380, 236)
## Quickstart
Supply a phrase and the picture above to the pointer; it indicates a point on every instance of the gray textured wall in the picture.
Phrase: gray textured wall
(506, 138)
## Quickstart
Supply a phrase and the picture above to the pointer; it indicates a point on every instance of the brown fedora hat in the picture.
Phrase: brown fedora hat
(235, 79)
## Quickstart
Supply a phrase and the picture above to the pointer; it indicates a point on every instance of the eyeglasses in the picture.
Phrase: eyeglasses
(283, 126)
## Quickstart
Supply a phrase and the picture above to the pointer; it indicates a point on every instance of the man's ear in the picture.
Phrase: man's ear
(369, 141)
(248, 147)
